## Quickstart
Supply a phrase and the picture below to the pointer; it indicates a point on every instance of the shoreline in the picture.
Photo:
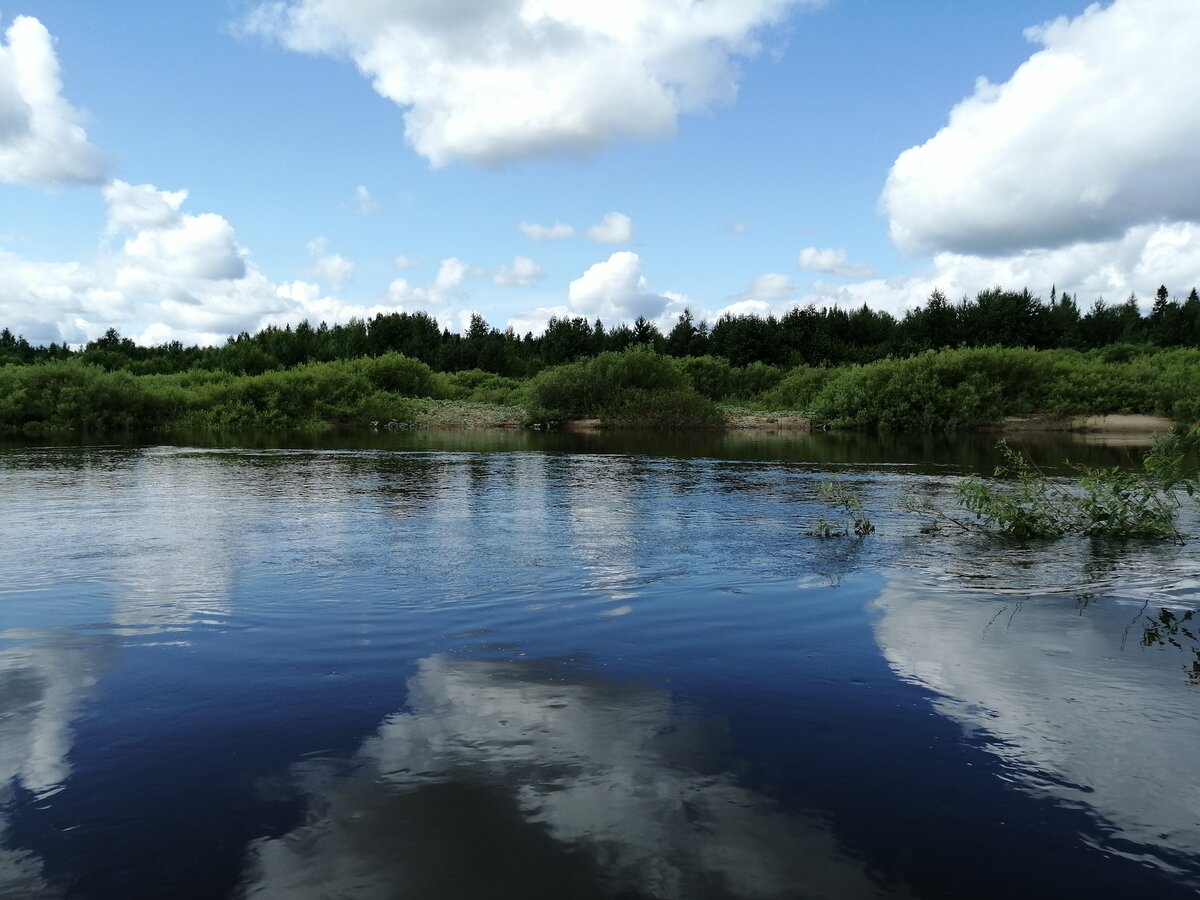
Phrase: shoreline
(1128, 426)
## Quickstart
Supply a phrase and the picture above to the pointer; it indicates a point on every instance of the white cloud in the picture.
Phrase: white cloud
(141, 206)
(1095, 134)
(332, 268)
(771, 287)
(739, 228)
(534, 321)
(746, 308)
(164, 241)
(1137, 262)
(42, 138)
(451, 274)
(832, 261)
(403, 262)
(364, 203)
(523, 272)
(614, 228)
(540, 233)
(676, 304)
(614, 290)
(446, 287)
(494, 82)
(174, 276)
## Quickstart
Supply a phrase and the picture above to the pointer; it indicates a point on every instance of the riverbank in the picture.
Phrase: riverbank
(944, 391)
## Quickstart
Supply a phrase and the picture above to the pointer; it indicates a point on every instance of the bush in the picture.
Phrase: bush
(637, 387)
(1106, 503)
(798, 388)
(397, 373)
(670, 409)
(709, 376)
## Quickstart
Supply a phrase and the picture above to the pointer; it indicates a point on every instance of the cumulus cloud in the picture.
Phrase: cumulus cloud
(523, 272)
(331, 268)
(139, 206)
(1095, 134)
(1137, 262)
(162, 274)
(541, 233)
(494, 82)
(746, 308)
(403, 262)
(614, 228)
(162, 240)
(42, 138)
(614, 290)
(534, 321)
(445, 288)
(832, 261)
(771, 288)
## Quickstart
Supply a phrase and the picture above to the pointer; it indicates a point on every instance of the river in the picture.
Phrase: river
(519, 665)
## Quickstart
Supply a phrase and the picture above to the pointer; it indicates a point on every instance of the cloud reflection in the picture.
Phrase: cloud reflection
(42, 689)
(1065, 697)
(512, 779)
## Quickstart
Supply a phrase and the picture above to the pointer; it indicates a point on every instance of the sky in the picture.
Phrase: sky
(187, 171)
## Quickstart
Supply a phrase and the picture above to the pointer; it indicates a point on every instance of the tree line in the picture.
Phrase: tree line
(804, 336)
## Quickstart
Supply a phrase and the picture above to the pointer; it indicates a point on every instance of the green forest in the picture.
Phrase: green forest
(943, 366)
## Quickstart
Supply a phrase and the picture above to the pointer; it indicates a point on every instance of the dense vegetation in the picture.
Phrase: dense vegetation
(934, 391)
(942, 367)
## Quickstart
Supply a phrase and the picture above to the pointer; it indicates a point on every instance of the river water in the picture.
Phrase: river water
(518, 665)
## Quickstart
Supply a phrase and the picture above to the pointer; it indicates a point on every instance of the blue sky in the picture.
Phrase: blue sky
(343, 157)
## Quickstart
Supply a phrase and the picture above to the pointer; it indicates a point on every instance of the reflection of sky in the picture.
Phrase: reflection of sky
(505, 779)
(602, 513)
(21, 873)
(157, 529)
(1075, 708)
(42, 688)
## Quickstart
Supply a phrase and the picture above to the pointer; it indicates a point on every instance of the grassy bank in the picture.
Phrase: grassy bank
(935, 391)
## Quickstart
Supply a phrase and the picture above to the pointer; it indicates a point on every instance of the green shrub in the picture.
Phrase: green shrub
(634, 388)
(478, 386)
(1106, 503)
(397, 373)
(797, 388)
(753, 380)
(667, 409)
(709, 376)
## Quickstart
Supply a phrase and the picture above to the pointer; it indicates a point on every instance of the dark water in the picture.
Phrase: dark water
(559, 666)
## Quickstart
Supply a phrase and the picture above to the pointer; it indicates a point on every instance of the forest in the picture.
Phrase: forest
(942, 366)
(829, 336)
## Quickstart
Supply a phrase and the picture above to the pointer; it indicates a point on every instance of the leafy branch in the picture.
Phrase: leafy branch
(840, 496)
(1023, 503)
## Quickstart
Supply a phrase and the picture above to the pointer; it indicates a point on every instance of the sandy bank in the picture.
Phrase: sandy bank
(1116, 424)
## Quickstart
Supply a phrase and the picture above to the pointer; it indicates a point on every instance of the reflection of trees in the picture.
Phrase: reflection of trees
(1170, 628)
(508, 779)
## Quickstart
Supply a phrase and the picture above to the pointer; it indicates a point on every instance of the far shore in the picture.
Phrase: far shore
(1135, 428)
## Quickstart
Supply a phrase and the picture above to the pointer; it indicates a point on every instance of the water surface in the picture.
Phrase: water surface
(552, 666)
